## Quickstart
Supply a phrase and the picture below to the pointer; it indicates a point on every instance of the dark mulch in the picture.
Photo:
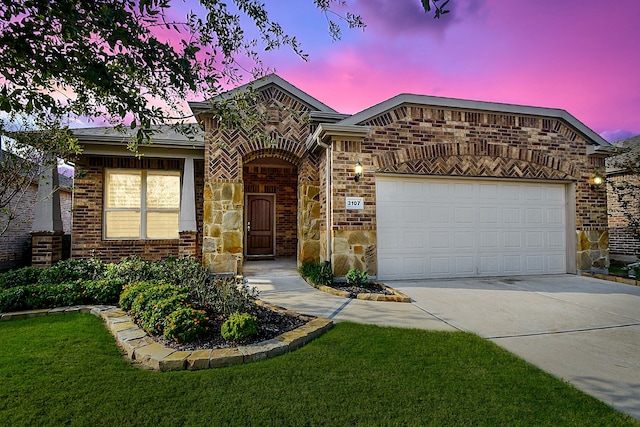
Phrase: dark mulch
(370, 288)
(271, 324)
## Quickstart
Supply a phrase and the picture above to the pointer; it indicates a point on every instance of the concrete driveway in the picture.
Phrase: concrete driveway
(583, 330)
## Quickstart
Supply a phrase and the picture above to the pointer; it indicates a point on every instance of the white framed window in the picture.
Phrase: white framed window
(141, 204)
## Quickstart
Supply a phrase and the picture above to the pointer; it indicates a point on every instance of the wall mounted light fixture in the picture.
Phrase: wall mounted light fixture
(358, 171)
(596, 181)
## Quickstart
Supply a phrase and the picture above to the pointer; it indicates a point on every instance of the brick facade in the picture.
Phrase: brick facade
(304, 152)
(418, 140)
(407, 138)
(622, 238)
(87, 236)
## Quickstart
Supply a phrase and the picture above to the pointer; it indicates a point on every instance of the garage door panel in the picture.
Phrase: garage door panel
(464, 228)
(464, 266)
(439, 240)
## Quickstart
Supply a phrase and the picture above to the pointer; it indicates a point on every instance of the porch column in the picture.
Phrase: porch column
(187, 225)
(47, 229)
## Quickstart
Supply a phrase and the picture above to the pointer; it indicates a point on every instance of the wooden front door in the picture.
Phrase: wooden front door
(260, 226)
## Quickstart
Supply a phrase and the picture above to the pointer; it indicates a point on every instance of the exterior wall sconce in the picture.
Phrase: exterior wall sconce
(596, 181)
(358, 172)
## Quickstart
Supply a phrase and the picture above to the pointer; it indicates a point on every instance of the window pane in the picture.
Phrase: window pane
(123, 190)
(162, 225)
(123, 225)
(163, 191)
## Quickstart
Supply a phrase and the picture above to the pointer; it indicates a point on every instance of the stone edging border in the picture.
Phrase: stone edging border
(613, 278)
(396, 297)
(152, 355)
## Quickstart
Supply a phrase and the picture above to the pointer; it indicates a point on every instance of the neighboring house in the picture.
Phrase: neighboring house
(449, 188)
(623, 241)
(15, 243)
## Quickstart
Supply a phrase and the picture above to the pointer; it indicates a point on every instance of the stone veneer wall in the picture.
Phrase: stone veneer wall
(223, 226)
(310, 218)
(421, 140)
(309, 222)
(87, 238)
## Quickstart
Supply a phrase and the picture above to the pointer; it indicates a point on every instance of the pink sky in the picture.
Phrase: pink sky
(579, 55)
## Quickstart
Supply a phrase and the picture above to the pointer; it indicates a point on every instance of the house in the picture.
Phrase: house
(445, 188)
(623, 240)
(15, 242)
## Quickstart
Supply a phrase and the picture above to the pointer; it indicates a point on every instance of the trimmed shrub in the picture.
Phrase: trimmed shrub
(184, 271)
(239, 326)
(24, 276)
(33, 297)
(185, 324)
(357, 278)
(151, 306)
(131, 291)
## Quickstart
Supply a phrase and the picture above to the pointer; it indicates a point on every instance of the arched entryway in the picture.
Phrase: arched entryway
(271, 199)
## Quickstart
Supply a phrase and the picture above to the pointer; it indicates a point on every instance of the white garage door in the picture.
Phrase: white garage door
(434, 228)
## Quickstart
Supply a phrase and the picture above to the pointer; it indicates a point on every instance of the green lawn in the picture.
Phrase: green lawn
(67, 370)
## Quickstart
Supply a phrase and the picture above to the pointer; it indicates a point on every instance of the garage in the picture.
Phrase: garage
(446, 227)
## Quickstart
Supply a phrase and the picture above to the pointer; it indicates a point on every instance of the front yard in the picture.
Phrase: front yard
(67, 370)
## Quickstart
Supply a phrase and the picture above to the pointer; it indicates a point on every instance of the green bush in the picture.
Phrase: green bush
(185, 324)
(316, 273)
(152, 305)
(12, 299)
(131, 270)
(104, 291)
(184, 271)
(357, 278)
(308, 268)
(71, 270)
(38, 296)
(24, 276)
(131, 291)
(239, 326)
(224, 295)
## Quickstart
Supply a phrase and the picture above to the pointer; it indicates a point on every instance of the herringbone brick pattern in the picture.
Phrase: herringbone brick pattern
(283, 128)
(475, 118)
(475, 159)
(476, 166)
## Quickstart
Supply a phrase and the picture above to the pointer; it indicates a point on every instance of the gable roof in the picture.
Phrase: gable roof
(260, 84)
(436, 101)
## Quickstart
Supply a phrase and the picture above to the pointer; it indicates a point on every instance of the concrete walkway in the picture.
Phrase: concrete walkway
(583, 330)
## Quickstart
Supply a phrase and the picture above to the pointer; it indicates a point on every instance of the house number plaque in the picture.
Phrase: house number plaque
(355, 203)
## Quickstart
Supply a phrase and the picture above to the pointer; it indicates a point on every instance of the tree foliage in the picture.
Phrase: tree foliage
(108, 59)
(127, 62)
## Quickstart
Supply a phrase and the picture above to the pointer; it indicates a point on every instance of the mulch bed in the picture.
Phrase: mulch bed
(271, 324)
(371, 288)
